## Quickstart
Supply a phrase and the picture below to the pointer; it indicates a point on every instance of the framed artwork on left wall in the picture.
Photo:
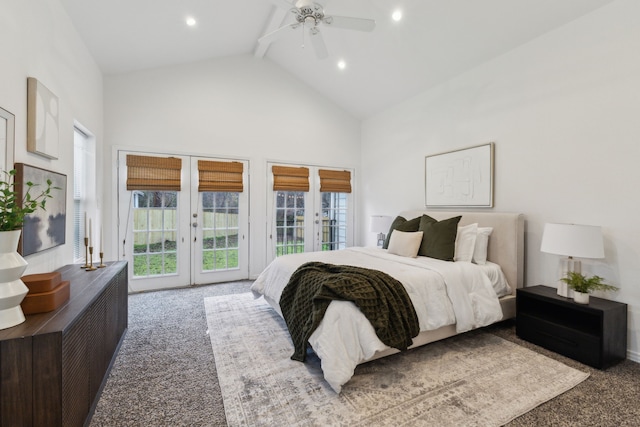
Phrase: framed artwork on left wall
(43, 229)
(43, 110)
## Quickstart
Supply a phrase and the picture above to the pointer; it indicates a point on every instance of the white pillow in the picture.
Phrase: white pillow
(405, 243)
(482, 243)
(465, 242)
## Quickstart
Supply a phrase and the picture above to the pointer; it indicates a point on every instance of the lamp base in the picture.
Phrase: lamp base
(380, 240)
(569, 265)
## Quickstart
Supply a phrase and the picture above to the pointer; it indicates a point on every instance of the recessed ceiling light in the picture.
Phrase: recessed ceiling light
(191, 21)
(342, 65)
(396, 15)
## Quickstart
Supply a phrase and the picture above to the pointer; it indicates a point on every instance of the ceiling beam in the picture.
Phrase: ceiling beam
(275, 21)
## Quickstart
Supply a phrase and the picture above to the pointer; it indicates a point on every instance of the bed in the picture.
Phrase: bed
(445, 304)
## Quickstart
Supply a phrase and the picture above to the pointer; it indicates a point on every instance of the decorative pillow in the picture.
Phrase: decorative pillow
(482, 244)
(439, 239)
(466, 242)
(400, 223)
(405, 243)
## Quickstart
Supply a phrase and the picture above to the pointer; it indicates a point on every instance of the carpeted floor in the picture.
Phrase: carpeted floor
(165, 373)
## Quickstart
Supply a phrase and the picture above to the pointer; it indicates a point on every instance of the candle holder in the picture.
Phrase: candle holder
(91, 267)
(86, 253)
(102, 264)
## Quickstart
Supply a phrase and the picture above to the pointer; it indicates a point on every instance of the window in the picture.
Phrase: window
(84, 187)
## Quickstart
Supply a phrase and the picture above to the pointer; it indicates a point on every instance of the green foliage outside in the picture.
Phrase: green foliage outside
(151, 260)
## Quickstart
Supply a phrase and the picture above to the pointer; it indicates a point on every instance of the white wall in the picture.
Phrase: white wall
(238, 107)
(38, 40)
(563, 113)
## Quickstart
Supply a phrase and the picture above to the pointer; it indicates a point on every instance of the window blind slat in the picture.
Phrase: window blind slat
(332, 181)
(287, 178)
(153, 173)
(220, 176)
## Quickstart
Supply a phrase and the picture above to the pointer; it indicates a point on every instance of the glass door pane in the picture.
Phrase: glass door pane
(220, 231)
(290, 222)
(155, 232)
(334, 221)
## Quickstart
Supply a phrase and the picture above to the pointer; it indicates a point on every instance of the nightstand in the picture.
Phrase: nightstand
(594, 333)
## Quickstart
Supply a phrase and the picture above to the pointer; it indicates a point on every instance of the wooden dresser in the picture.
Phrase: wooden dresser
(54, 365)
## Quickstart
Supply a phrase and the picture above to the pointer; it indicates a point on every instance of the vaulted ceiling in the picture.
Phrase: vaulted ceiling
(432, 42)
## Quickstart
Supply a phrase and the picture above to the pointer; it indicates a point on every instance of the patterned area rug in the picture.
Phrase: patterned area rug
(475, 379)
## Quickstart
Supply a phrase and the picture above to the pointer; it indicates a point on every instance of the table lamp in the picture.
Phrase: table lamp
(572, 240)
(380, 224)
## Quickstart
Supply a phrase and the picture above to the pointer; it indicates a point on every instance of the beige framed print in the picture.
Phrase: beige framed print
(43, 111)
(460, 178)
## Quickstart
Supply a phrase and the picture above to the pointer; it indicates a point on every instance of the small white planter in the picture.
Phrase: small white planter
(580, 297)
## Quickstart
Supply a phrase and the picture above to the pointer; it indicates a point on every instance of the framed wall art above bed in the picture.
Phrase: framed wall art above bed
(460, 178)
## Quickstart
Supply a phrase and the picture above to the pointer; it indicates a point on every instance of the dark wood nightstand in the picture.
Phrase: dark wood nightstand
(594, 333)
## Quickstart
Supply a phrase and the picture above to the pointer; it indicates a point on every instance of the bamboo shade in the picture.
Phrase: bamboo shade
(335, 181)
(153, 173)
(220, 176)
(286, 178)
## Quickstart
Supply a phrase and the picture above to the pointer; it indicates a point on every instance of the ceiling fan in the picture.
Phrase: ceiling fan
(311, 15)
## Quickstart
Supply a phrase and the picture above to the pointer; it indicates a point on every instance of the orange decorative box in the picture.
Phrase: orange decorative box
(43, 282)
(43, 302)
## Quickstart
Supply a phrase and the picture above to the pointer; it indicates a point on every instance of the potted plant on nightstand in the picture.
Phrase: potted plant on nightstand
(582, 286)
(14, 207)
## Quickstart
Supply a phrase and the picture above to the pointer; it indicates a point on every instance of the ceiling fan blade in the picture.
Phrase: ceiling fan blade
(317, 41)
(280, 32)
(348, 23)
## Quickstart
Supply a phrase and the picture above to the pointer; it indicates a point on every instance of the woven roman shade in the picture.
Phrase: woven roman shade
(335, 181)
(220, 176)
(153, 173)
(286, 178)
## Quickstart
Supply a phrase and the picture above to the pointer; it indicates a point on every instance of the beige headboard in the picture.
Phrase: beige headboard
(506, 243)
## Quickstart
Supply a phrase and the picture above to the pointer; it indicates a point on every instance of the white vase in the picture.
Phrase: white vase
(12, 289)
(580, 297)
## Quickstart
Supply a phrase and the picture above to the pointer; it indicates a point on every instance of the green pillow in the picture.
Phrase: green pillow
(400, 223)
(439, 237)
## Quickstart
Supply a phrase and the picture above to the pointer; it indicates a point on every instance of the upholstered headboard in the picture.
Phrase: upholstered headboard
(506, 243)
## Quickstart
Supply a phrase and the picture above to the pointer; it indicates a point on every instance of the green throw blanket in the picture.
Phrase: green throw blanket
(381, 298)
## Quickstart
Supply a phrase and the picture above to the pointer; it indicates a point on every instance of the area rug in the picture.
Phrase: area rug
(475, 379)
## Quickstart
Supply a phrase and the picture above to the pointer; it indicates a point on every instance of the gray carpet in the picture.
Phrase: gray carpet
(165, 373)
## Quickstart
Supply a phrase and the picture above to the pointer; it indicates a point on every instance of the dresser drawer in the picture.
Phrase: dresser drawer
(561, 339)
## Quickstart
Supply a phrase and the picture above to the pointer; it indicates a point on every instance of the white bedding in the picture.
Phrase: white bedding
(443, 293)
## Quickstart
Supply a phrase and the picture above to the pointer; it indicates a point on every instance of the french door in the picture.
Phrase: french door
(178, 237)
(306, 221)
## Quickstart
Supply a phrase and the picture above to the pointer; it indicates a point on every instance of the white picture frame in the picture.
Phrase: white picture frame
(460, 178)
(43, 111)
(7, 131)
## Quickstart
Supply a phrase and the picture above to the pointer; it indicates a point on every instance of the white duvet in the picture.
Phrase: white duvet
(442, 293)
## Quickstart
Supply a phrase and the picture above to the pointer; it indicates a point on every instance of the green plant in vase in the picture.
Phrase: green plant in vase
(584, 285)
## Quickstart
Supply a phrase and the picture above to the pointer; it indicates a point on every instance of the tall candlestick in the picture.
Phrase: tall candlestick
(90, 245)
(101, 239)
(85, 224)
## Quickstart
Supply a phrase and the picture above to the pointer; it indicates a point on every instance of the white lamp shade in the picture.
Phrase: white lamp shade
(380, 223)
(580, 241)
